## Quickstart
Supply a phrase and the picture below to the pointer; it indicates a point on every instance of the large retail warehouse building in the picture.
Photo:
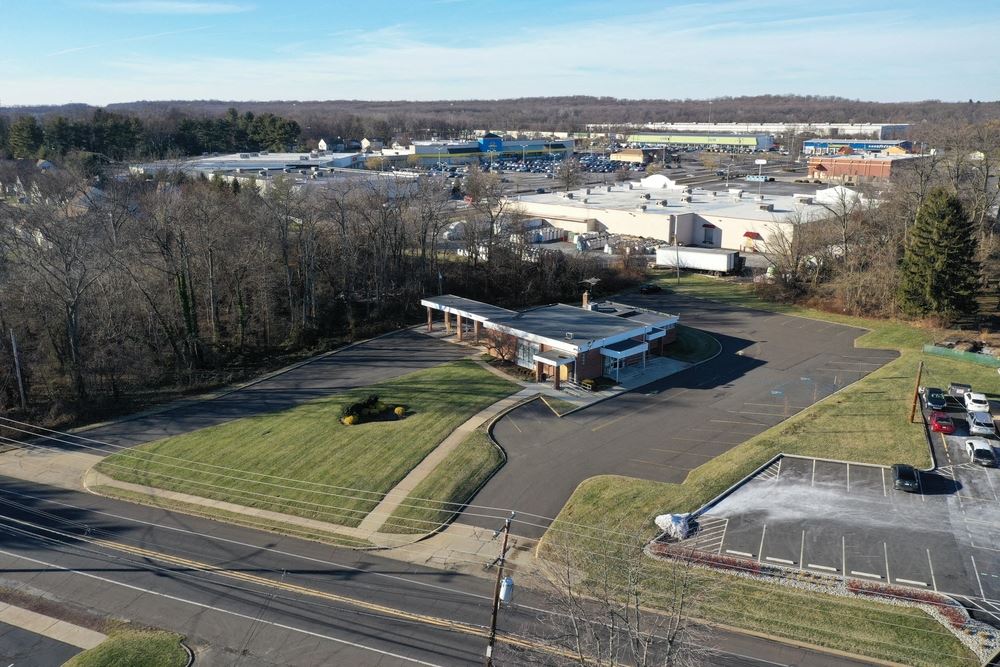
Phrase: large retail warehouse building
(558, 341)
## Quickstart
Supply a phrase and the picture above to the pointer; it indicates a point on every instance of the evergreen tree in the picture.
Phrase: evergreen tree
(939, 273)
(25, 137)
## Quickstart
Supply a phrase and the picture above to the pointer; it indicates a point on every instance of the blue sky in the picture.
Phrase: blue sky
(100, 51)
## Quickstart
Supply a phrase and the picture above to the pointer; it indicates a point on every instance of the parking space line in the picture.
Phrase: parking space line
(848, 477)
(885, 549)
(680, 451)
(654, 463)
(812, 482)
(866, 574)
(723, 540)
(784, 561)
(884, 492)
(778, 474)
(739, 553)
(992, 488)
(979, 581)
(743, 423)
(912, 582)
(514, 424)
(765, 414)
(931, 566)
(843, 553)
(827, 568)
(760, 551)
(678, 437)
(779, 406)
(802, 550)
(608, 423)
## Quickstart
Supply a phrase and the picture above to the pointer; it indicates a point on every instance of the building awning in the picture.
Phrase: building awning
(624, 348)
(751, 235)
(656, 333)
(554, 358)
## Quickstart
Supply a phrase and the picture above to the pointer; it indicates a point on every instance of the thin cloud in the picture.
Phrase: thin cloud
(171, 7)
(137, 38)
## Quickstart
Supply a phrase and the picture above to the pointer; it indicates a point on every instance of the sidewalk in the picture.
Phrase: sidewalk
(53, 628)
(377, 517)
(656, 368)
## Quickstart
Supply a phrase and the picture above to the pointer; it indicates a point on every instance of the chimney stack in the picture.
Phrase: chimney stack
(586, 300)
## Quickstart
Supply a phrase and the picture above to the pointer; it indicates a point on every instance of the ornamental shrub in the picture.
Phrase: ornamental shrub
(399, 411)
(350, 420)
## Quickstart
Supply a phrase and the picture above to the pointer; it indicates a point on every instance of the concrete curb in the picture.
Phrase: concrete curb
(231, 389)
(608, 398)
(190, 653)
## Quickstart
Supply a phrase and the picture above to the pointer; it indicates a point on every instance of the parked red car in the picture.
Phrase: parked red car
(942, 423)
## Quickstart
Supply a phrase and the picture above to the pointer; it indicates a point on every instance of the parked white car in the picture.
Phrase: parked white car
(976, 402)
(981, 423)
(980, 451)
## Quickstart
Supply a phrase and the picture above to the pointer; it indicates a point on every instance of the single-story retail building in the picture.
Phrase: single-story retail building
(566, 343)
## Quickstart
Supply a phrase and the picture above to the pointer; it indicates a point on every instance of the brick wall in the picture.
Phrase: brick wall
(589, 364)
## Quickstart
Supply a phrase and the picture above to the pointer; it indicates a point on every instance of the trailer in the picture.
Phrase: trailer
(716, 261)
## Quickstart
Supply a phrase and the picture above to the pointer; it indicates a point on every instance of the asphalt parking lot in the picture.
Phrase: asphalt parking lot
(845, 519)
(771, 367)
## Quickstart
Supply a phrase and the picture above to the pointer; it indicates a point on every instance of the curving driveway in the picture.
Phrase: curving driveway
(771, 366)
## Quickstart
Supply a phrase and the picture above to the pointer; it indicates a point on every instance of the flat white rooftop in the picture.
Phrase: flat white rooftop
(702, 202)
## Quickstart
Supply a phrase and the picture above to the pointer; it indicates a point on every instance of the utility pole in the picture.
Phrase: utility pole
(17, 370)
(916, 392)
(499, 562)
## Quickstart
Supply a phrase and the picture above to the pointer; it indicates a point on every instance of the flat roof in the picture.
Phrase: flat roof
(571, 324)
(703, 202)
(634, 313)
(452, 303)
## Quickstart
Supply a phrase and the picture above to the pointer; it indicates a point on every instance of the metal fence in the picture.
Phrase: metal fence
(974, 357)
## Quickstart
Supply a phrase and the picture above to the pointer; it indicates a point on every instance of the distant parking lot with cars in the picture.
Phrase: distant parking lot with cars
(847, 519)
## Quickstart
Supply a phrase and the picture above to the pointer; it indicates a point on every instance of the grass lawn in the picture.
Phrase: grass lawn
(134, 648)
(454, 480)
(558, 406)
(692, 345)
(282, 528)
(866, 422)
(303, 461)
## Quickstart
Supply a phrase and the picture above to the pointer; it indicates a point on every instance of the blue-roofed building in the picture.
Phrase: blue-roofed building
(829, 146)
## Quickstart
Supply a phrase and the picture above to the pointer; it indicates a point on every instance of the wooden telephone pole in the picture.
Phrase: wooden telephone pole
(916, 392)
(496, 590)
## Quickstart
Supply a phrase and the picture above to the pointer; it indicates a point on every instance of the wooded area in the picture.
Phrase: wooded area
(117, 290)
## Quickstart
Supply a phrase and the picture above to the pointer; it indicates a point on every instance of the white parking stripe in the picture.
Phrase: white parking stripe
(780, 560)
(739, 553)
(884, 491)
(931, 566)
(912, 582)
(885, 548)
(822, 567)
(979, 581)
(866, 574)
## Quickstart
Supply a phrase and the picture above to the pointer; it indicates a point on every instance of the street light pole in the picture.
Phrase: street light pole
(501, 559)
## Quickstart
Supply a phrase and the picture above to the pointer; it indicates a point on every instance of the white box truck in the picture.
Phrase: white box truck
(710, 260)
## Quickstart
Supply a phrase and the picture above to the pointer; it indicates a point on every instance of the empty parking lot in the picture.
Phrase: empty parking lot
(845, 519)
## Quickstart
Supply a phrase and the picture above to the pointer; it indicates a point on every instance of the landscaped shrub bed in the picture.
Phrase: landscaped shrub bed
(371, 409)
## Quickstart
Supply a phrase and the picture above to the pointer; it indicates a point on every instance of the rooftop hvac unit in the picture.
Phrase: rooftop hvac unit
(767, 207)
(569, 335)
(641, 207)
(631, 186)
(254, 154)
(587, 191)
(714, 193)
(663, 202)
(686, 191)
(610, 189)
(262, 172)
(758, 198)
(244, 156)
(645, 196)
(238, 170)
(686, 199)
(264, 153)
(584, 200)
(569, 195)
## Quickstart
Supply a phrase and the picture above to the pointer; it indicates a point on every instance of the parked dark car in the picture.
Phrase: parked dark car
(934, 398)
(904, 478)
(958, 390)
(650, 288)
